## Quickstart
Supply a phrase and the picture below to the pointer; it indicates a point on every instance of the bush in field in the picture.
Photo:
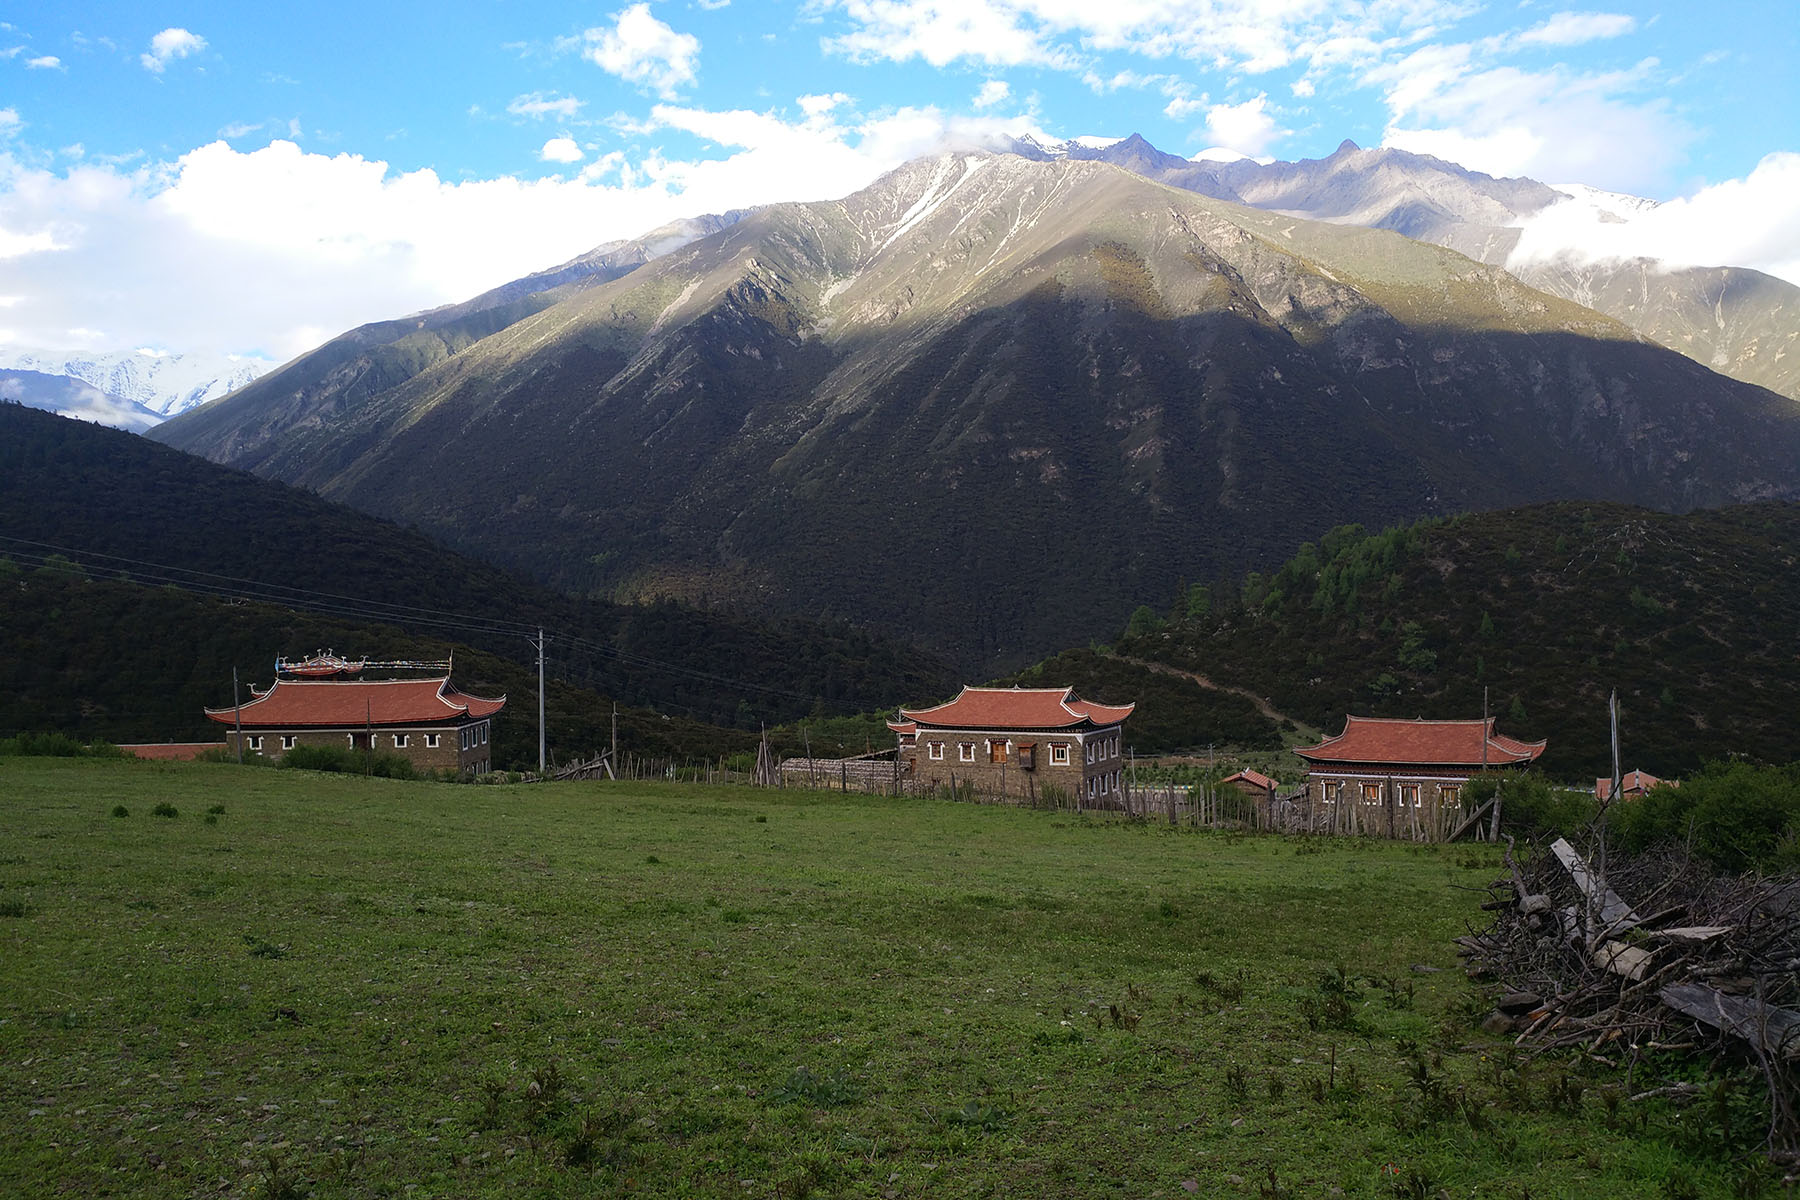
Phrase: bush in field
(1532, 809)
(55, 745)
(1736, 816)
(348, 762)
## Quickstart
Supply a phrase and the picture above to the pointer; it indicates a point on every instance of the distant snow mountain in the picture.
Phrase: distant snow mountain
(162, 384)
(72, 398)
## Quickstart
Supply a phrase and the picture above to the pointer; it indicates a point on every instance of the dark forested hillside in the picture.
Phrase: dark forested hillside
(125, 507)
(102, 659)
(1691, 618)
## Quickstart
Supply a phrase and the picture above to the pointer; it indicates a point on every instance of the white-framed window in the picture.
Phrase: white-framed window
(288, 740)
(1450, 793)
(256, 741)
(1371, 793)
(431, 741)
(484, 733)
(936, 751)
(1059, 754)
(1329, 790)
(1409, 795)
(400, 740)
(965, 751)
(463, 742)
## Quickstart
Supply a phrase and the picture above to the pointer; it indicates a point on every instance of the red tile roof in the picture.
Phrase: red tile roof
(340, 703)
(1385, 740)
(1632, 783)
(1253, 778)
(1017, 708)
(170, 751)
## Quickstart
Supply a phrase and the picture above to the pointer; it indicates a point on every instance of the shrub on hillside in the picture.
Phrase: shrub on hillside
(1736, 816)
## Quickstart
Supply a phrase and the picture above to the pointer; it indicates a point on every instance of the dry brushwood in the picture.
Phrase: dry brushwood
(1650, 953)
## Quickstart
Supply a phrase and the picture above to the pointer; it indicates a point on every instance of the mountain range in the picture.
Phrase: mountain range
(990, 401)
(159, 384)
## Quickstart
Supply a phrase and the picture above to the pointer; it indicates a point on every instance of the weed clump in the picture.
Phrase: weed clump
(119, 810)
(817, 1091)
(165, 809)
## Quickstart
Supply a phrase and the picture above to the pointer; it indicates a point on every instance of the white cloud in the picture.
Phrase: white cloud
(1751, 222)
(1248, 128)
(1573, 28)
(1248, 35)
(1614, 129)
(538, 105)
(942, 31)
(640, 49)
(171, 44)
(993, 91)
(46, 62)
(10, 122)
(817, 106)
(560, 150)
(1182, 107)
(238, 129)
(158, 254)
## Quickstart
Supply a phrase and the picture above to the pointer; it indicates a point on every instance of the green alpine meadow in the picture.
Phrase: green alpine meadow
(227, 981)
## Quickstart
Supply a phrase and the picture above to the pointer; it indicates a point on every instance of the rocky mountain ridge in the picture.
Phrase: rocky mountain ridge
(1736, 320)
(988, 402)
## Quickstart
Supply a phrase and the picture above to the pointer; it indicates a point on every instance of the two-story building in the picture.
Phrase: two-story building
(1402, 778)
(1017, 742)
(427, 721)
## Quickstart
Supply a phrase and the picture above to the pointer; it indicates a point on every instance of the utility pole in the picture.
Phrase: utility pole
(238, 704)
(542, 758)
(615, 736)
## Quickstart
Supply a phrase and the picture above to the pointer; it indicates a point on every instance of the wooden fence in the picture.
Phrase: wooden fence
(1173, 804)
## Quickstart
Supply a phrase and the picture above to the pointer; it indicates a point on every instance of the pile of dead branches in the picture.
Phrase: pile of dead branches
(1655, 953)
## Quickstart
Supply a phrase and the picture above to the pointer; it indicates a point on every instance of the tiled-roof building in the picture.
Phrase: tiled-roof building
(1404, 778)
(1633, 785)
(427, 721)
(1017, 742)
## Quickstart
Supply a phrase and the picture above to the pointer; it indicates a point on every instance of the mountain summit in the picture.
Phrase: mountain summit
(994, 402)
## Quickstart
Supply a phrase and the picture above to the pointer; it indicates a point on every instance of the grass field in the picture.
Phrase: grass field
(347, 987)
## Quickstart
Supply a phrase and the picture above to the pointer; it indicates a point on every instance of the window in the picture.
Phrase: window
(288, 740)
(1330, 790)
(400, 740)
(256, 742)
(1371, 793)
(1450, 793)
(965, 751)
(1409, 795)
(997, 752)
(1059, 754)
(431, 741)
(936, 751)
(1087, 750)
(352, 738)
(483, 731)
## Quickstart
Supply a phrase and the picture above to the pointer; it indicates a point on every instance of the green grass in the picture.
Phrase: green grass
(348, 987)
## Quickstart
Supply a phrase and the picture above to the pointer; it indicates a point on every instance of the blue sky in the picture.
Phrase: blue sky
(254, 178)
